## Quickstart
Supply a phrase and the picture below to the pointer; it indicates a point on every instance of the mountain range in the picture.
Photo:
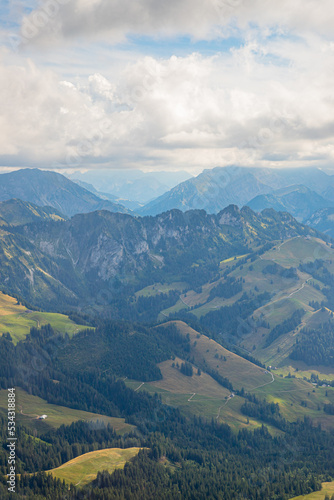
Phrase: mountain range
(129, 204)
(171, 322)
(307, 194)
(64, 262)
(215, 189)
(299, 201)
(207, 268)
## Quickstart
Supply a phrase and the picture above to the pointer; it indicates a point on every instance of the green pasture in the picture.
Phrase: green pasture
(83, 469)
(29, 408)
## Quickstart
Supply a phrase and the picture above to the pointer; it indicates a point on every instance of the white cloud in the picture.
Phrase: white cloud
(264, 103)
(114, 20)
(269, 101)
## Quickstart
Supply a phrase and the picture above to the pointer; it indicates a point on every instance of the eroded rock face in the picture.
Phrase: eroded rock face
(48, 247)
(106, 257)
(229, 220)
(231, 216)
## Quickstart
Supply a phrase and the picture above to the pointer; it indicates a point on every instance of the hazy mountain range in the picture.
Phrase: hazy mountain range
(300, 192)
(214, 189)
(299, 201)
(323, 221)
(131, 185)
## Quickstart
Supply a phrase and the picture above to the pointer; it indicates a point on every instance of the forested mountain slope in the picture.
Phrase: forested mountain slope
(55, 262)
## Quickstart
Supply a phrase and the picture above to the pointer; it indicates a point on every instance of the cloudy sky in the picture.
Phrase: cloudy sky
(156, 84)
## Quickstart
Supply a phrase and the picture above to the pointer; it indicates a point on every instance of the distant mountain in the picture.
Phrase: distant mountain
(131, 184)
(45, 188)
(131, 205)
(212, 190)
(215, 189)
(323, 220)
(18, 212)
(299, 201)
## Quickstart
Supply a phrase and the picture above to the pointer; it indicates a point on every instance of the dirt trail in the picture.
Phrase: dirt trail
(26, 415)
(183, 302)
(267, 383)
(222, 406)
(301, 288)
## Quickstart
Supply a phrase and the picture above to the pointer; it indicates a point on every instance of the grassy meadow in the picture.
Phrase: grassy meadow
(83, 469)
(29, 408)
(327, 489)
(201, 395)
(17, 320)
(241, 372)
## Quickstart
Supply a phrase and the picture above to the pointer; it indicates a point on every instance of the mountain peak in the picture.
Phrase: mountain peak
(230, 216)
(47, 188)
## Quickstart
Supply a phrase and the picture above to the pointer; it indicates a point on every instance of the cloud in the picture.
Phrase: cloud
(115, 20)
(263, 103)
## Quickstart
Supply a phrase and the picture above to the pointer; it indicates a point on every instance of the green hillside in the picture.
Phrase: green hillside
(286, 275)
(288, 392)
(17, 320)
(83, 470)
(207, 352)
(30, 407)
(202, 396)
(18, 212)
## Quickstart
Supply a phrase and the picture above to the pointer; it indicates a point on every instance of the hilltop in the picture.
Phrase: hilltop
(17, 212)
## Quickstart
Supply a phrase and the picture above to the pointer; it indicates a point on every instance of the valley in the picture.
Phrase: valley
(184, 335)
(203, 396)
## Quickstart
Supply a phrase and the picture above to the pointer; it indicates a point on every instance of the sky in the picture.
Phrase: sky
(166, 85)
